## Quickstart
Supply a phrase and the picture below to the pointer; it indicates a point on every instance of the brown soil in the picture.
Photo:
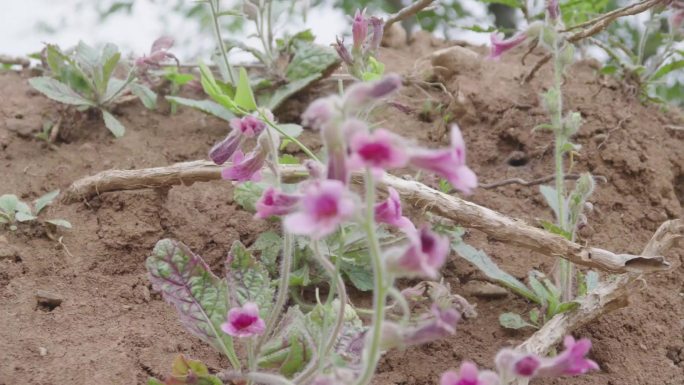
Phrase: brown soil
(110, 329)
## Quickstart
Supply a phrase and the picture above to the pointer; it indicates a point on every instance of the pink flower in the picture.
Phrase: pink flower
(225, 149)
(359, 94)
(379, 150)
(244, 321)
(425, 254)
(448, 163)
(553, 9)
(249, 126)
(246, 168)
(390, 212)
(342, 51)
(570, 362)
(320, 112)
(469, 375)
(275, 203)
(442, 325)
(336, 149)
(324, 205)
(378, 26)
(359, 30)
(501, 46)
(158, 54)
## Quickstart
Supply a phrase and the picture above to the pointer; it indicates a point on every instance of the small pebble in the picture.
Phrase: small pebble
(48, 300)
(42, 351)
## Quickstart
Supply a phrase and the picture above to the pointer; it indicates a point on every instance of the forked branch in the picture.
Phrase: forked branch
(465, 213)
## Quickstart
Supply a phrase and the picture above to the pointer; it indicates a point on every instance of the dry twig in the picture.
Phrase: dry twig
(607, 297)
(466, 213)
(408, 11)
(535, 182)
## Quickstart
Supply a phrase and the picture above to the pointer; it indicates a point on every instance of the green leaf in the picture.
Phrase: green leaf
(480, 259)
(212, 88)
(513, 321)
(146, 95)
(244, 97)
(291, 129)
(288, 159)
(56, 90)
(534, 316)
(246, 194)
(608, 70)
(269, 245)
(584, 187)
(360, 276)
(567, 306)
(554, 229)
(60, 222)
(187, 283)
(551, 197)
(44, 200)
(510, 3)
(8, 203)
(154, 381)
(110, 58)
(296, 357)
(207, 106)
(289, 89)
(289, 349)
(539, 289)
(248, 280)
(666, 69)
(311, 59)
(23, 217)
(113, 124)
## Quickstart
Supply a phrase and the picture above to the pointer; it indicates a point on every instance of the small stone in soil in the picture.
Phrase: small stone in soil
(48, 301)
(484, 290)
(43, 351)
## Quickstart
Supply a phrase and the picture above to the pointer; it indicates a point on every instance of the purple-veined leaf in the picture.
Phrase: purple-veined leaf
(187, 283)
(248, 280)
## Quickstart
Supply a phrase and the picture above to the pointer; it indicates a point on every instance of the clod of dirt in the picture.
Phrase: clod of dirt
(484, 290)
(8, 251)
(454, 60)
(394, 37)
(47, 301)
(42, 351)
(24, 128)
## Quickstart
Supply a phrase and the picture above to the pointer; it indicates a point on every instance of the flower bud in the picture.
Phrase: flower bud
(359, 30)
(250, 10)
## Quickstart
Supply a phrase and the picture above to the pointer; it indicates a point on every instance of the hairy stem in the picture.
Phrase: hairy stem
(372, 350)
(213, 5)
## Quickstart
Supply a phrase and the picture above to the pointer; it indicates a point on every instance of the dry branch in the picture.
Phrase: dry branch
(465, 213)
(608, 296)
(408, 11)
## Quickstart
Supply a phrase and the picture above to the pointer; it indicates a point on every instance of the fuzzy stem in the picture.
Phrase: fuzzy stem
(372, 351)
(213, 5)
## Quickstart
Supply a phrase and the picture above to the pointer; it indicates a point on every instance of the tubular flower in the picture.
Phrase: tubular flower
(320, 112)
(425, 254)
(553, 9)
(336, 148)
(469, 375)
(380, 150)
(343, 52)
(390, 212)
(448, 163)
(571, 362)
(275, 203)
(378, 26)
(442, 325)
(249, 126)
(359, 30)
(225, 149)
(501, 45)
(324, 205)
(244, 321)
(360, 94)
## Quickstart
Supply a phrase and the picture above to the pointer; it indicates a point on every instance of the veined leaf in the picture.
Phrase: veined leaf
(291, 347)
(244, 97)
(248, 280)
(44, 200)
(187, 283)
(289, 89)
(113, 124)
(269, 245)
(207, 106)
(311, 59)
(513, 321)
(56, 90)
(146, 95)
(246, 194)
(212, 88)
(8, 204)
(666, 69)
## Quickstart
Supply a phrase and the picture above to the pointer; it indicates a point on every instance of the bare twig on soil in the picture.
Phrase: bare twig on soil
(408, 11)
(465, 213)
(595, 26)
(535, 182)
(608, 296)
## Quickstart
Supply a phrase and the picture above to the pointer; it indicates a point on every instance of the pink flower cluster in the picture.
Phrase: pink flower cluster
(511, 364)
(159, 53)
(364, 44)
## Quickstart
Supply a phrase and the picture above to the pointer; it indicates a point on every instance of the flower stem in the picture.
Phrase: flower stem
(213, 5)
(372, 350)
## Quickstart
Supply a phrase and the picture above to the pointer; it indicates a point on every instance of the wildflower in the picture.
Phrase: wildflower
(343, 52)
(379, 150)
(442, 325)
(225, 149)
(448, 163)
(359, 30)
(390, 212)
(553, 9)
(469, 375)
(249, 126)
(158, 54)
(362, 93)
(324, 205)
(501, 45)
(570, 362)
(336, 148)
(244, 321)
(275, 203)
(425, 254)
(320, 112)
(378, 26)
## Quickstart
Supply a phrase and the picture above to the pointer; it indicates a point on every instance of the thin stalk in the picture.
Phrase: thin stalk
(213, 5)
(372, 352)
(294, 140)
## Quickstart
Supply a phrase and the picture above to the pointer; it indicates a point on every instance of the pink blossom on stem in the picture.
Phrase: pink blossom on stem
(442, 325)
(320, 112)
(571, 362)
(553, 9)
(469, 375)
(324, 206)
(359, 94)
(224, 150)
(425, 254)
(380, 150)
(249, 126)
(448, 163)
(359, 29)
(342, 51)
(389, 211)
(378, 26)
(246, 167)
(501, 45)
(336, 148)
(244, 321)
(275, 203)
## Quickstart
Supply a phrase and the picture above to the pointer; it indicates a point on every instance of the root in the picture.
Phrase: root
(607, 297)
(465, 213)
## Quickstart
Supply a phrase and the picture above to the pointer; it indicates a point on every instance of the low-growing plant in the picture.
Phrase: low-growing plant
(14, 211)
(324, 220)
(84, 77)
(366, 37)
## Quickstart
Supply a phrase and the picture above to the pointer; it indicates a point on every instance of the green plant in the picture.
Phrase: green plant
(14, 211)
(84, 77)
